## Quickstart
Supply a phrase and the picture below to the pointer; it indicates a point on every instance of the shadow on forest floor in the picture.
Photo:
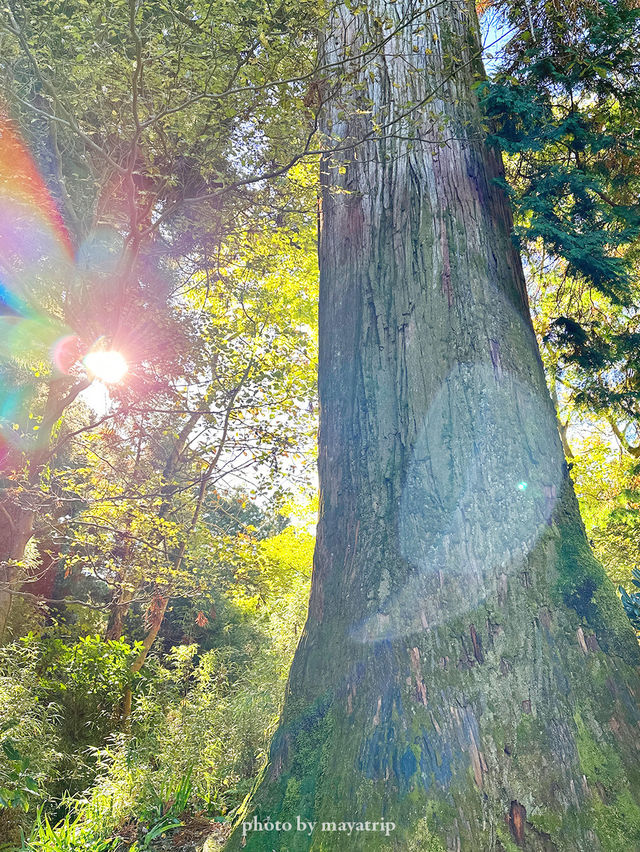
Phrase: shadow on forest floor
(197, 834)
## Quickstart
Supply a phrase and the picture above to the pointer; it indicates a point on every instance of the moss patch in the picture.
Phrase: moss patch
(600, 762)
(617, 824)
(583, 585)
(423, 840)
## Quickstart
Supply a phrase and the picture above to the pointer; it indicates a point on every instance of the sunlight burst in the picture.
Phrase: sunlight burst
(108, 365)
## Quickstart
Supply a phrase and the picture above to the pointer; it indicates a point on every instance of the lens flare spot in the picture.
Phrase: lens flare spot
(11, 403)
(522, 486)
(66, 352)
(107, 365)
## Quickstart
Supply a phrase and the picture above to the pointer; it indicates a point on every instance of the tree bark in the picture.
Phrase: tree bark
(155, 618)
(118, 612)
(22, 471)
(16, 528)
(466, 670)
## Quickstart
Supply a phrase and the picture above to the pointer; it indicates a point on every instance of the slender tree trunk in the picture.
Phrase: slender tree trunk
(16, 528)
(117, 613)
(122, 598)
(18, 504)
(466, 671)
(160, 602)
(156, 617)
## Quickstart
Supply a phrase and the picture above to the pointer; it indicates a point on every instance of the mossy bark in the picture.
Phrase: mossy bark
(466, 670)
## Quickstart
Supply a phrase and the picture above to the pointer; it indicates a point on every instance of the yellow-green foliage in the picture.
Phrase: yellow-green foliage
(220, 716)
(605, 479)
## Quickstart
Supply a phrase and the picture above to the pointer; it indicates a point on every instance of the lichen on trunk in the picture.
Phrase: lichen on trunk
(466, 671)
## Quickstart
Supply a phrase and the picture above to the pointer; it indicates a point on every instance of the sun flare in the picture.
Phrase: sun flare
(107, 365)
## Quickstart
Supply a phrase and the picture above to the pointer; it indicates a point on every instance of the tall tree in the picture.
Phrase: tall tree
(153, 182)
(466, 671)
(564, 105)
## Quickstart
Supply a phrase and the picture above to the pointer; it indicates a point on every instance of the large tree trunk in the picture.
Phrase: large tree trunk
(466, 670)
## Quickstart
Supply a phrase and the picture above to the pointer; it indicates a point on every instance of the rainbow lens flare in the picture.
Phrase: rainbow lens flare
(43, 295)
